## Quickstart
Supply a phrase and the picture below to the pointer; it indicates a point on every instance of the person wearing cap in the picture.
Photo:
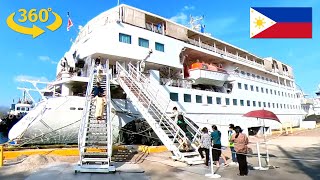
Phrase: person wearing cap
(231, 145)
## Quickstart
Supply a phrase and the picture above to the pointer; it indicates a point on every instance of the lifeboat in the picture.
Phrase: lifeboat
(208, 74)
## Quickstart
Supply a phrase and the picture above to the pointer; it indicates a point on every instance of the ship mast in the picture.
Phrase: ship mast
(195, 22)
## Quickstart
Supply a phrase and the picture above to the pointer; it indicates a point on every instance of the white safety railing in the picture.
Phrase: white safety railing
(108, 109)
(157, 104)
(85, 114)
(223, 52)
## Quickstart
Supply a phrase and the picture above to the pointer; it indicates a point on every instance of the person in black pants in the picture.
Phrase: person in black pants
(240, 145)
(216, 148)
(205, 143)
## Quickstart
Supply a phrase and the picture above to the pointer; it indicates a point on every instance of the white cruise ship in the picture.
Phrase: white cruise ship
(211, 81)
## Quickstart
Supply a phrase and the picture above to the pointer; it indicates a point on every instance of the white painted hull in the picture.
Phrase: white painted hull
(59, 124)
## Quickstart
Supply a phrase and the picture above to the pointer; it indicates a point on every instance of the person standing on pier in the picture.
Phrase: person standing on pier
(240, 145)
(216, 148)
(231, 145)
(205, 143)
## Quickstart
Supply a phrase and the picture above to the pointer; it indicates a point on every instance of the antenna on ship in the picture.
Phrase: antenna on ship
(197, 25)
(195, 22)
(119, 20)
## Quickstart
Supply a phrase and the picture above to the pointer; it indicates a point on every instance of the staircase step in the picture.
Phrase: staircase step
(93, 125)
(194, 153)
(95, 154)
(96, 146)
(95, 160)
(100, 142)
(97, 133)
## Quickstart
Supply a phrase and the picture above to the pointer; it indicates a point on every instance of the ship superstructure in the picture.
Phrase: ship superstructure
(211, 81)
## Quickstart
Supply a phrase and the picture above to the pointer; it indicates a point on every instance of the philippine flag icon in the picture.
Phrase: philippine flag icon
(281, 22)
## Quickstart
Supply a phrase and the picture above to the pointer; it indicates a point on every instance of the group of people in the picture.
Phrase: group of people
(98, 92)
(238, 142)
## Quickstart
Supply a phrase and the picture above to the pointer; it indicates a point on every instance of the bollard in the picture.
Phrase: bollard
(212, 174)
(1, 155)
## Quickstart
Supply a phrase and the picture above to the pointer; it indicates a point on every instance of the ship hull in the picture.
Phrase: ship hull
(60, 121)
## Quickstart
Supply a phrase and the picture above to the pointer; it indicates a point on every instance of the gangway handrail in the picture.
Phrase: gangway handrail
(158, 98)
(173, 128)
(161, 100)
(108, 108)
(85, 117)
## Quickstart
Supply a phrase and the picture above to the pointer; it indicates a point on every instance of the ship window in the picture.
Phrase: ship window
(252, 89)
(187, 98)
(269, 105)
(72, 108)
(248, 103)
(237, 71)
(258, 77)
(259, 103)
(277, 105)
(282, 93)
(257, 89)
(242, 72)
(241, 103)
(143, 42)
(239, 85)
(227, 101)
(281, 106)
(262, 90)
(262, 78)
(174, 96)
(275, 92)
(270, 91)
(209, 100)
(124, 38)
(198, 99)
(18, 108)
(254, 103)
(248, 74)
(272, 105)
(267, 91)
(279, 93)
(253, 75)
(246, 86)
(27, 109)
(159, 47)
(80, 108)
(218, 99)
(264, 104)
(234, 102)
(22, 109)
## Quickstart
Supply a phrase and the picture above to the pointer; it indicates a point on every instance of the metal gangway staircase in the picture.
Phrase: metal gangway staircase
(95, 136)
(153, 106)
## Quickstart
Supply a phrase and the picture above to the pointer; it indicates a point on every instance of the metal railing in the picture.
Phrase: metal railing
(85, 117)
(223, 52)
(150, 97)
(108, 109)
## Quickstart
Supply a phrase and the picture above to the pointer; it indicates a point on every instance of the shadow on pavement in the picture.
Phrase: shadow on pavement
(300, 160)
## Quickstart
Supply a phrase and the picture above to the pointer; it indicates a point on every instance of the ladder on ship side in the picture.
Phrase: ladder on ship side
(153, 106)
(95, 136)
